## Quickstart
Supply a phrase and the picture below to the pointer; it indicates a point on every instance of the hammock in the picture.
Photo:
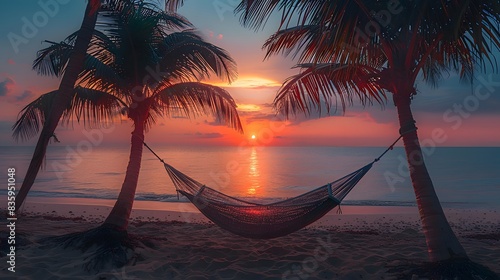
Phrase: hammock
(264, 221)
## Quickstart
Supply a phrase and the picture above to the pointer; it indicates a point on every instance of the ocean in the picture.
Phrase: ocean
(464, 177)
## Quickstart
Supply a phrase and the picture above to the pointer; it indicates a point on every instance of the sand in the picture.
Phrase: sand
(179, 243)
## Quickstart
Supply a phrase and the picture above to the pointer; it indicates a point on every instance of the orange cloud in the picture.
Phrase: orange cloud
(249, 107)
(250, 82)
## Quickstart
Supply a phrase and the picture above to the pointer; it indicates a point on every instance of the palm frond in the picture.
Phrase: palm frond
(32, 117)
(101, 76)
(114, 18)
(192, 99)
(138, 31)
(291, 40)
(186, 56)
(429, 37)
(255, 12)
(173, 5)
(328, 84)
(53, 59)
(314, 43)
(168, 20)
(322, 31)
(100, 71)
(137, 40)
(93, 107)
(467, 33)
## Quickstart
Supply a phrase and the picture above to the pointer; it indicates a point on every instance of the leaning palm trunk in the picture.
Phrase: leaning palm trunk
(59, 104)
(120, 214)
(442, 244)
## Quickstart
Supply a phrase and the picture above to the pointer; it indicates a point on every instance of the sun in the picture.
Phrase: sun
(253, 136)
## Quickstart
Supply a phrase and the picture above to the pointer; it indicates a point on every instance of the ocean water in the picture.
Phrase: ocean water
(463, 177)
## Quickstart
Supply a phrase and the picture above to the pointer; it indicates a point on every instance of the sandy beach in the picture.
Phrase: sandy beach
(179, 243)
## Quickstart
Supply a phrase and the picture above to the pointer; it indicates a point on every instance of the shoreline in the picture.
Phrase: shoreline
(173, 205)
(373, 216)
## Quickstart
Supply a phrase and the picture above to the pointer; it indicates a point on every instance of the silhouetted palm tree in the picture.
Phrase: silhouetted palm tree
(351, 49)
(65, 93)
(136, 64)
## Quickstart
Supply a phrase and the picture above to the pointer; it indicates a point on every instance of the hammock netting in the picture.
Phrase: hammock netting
(263, 221)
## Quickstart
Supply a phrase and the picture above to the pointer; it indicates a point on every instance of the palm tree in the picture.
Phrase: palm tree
(65, 93)
(354, 48)
(136, 64)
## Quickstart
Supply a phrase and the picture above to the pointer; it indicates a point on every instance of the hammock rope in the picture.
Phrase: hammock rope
(264, 221)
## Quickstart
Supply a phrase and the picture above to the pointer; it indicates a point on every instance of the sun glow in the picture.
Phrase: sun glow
(253, 136)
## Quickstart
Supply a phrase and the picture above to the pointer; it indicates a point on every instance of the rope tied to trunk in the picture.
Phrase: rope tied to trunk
(406, 128)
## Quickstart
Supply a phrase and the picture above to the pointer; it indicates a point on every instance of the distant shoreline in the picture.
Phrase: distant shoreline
(159, 208)
(172, 203)
(162, 145)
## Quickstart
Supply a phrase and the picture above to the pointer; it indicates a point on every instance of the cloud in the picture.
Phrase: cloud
(267, 105)
(447, 99)
(262, 112)
(217, 121)
(452, 93)
(251, 83)
(248, 107)
(258, 116)
(263, 87)
(214, 123)
(12, 95)
(211, 34)
(5, 86)
(211, 135)
(11, 61)
(27, 94)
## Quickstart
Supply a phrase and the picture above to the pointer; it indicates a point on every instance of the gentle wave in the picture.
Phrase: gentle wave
(263, 200)
(102, 195)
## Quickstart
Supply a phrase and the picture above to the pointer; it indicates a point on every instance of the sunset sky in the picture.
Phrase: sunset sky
(464, 118)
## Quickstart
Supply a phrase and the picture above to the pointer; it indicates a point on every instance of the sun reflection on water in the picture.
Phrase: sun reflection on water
(253, 172)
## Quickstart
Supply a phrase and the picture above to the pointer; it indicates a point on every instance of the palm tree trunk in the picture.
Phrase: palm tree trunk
(442, 244)
(120, 214)
(66, 87)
